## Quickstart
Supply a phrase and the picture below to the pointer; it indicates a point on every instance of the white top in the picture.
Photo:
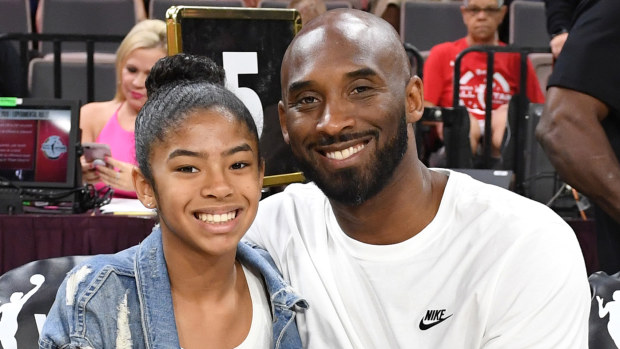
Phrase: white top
(261, 333)
(492, 270)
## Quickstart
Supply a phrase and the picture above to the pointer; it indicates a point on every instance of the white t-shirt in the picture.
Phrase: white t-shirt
(261, 332)
(492, 270)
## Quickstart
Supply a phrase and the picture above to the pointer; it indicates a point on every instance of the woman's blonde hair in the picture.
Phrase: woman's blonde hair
(149, 33)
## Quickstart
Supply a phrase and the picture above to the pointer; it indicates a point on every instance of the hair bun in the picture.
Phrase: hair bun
(184, 67)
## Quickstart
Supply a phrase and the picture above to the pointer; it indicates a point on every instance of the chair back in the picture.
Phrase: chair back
(528, 24)
(15, 18)
(100, 17)
(74, 81)
(26, 296)
(425, 24)
(543, 65)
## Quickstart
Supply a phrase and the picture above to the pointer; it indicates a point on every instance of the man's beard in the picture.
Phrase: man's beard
(354, 186)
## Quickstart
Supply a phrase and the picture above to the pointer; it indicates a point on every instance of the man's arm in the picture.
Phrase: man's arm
(571, 134)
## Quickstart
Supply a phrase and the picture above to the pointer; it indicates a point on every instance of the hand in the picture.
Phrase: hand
(117, 174)
(89, 172)
(557, 43)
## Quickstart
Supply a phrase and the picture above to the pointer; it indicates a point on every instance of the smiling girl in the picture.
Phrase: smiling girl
(190, 283)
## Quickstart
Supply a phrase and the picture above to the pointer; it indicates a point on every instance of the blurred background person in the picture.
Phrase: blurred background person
(112, 122)
(308, 9)
(482, 18)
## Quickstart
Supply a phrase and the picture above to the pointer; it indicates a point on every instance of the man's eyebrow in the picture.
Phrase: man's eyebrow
(231, 151)
(298, 85)
(361, 73)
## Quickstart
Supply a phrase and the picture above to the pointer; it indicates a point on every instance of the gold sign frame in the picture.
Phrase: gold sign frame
(174, 19)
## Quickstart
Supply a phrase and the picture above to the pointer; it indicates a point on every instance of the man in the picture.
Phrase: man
(391, 254)
(481, 17)
(580, 126)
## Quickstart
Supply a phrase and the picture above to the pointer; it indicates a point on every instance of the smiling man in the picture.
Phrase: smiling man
(389, 253)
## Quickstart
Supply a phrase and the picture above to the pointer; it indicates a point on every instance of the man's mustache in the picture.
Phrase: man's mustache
(326, 140)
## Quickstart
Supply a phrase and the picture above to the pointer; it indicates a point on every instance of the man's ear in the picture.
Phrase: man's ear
(144, 189)
(282, 115)
(414, 99)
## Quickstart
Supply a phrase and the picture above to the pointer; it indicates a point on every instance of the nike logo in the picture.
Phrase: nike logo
(432, 318)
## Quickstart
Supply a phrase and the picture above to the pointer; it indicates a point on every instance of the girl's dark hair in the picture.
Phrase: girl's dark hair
(177, 86)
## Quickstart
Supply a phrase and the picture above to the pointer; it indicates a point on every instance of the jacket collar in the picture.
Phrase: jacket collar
(281, 294)
(154, 293)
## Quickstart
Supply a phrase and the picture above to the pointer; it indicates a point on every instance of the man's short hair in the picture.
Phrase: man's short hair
(499, 3)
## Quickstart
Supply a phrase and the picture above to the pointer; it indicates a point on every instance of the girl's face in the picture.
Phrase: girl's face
(208, 181)
(134, 73)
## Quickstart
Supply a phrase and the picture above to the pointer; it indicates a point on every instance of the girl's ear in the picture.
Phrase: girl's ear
(144, 189)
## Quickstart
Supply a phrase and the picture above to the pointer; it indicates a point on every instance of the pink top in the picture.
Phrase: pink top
(122, 146)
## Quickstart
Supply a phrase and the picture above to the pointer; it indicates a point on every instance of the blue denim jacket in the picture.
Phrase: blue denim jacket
(124, 301)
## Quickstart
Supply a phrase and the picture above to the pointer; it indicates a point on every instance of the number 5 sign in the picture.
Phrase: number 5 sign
(250, 44)
(236, 63)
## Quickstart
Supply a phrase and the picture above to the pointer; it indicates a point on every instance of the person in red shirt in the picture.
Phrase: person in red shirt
(481, 17)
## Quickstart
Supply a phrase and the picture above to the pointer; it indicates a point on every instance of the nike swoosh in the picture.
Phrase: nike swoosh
(425, 327)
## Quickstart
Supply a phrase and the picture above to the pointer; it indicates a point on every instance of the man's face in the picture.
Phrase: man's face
(482, 17)
(343, 111)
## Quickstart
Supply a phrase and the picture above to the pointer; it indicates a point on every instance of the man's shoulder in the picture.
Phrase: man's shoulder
(297, 193)
(504, 204)
(297, 202)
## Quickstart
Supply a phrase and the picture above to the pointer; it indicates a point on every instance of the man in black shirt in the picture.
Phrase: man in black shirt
(580, 127)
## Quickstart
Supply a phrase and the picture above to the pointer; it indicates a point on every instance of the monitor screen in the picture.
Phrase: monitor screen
(38, 142)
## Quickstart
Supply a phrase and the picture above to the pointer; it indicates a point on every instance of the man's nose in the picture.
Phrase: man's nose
(337, 116)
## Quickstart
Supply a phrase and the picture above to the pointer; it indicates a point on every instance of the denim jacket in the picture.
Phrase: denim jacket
(124, 301)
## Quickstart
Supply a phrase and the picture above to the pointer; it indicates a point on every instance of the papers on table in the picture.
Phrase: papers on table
(129, 207)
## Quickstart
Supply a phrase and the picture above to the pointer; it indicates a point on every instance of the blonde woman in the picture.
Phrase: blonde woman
(112, 122)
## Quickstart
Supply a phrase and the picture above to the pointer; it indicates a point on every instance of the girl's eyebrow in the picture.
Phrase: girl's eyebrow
(185, 152)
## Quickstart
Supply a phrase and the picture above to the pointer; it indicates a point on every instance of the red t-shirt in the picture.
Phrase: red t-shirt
(439, 73)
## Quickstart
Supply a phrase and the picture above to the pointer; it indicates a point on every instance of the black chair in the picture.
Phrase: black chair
(455, 132)
(528, 24)
(74, 79)
(15, 17)
(97, 17)
(26, 296)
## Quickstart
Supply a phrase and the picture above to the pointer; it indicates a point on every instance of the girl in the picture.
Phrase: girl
(190, 283)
